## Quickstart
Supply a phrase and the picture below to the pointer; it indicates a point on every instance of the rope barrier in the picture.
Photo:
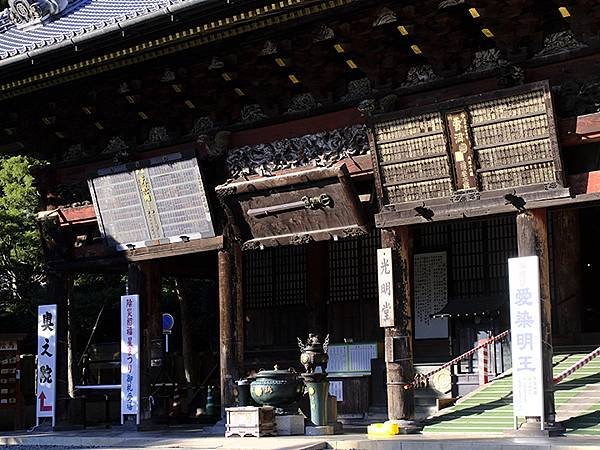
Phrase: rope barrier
(421, 379)
(578, 365)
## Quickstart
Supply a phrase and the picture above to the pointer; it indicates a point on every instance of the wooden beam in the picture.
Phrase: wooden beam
(100, 251)
(175, 249)
(76, 216)
(584, 183)
(580, 130)
(296, 128)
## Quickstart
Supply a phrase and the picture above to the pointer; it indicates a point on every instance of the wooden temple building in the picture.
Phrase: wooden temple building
(301, 136)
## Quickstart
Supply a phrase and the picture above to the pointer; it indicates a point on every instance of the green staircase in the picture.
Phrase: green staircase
(489, 409)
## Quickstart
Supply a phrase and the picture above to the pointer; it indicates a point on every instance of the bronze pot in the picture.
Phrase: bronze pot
(276, 387)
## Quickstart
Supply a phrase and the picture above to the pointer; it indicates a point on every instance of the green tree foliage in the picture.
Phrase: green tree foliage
(21, 260)
(3, 4)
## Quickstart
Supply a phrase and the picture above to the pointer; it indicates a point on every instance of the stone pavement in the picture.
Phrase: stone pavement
(198, 439)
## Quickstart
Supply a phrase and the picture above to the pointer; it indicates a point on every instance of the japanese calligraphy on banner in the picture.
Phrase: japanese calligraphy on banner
(46, 367)
(430, 294)
(462, 151)
(130, 355)
(526, 331)
(385, 278)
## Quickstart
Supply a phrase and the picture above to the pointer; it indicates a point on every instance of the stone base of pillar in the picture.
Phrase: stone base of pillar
(290, 425)
(407, 426)
(533, 429)
(45, 425)
(324, 430)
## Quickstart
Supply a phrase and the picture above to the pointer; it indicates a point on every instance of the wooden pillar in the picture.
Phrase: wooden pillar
(58, 290)
(568, 281)
(227, 324)
(144, 280)
(317, 258)
(240, 316)
(184, 296)
(532, 240)
(398, 339)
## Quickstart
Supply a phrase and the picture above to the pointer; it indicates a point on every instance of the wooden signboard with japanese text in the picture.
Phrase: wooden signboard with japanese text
(10, 377)
(473, 156)
(152, 202)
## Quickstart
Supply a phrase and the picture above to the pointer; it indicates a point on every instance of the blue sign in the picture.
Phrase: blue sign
(167, 321)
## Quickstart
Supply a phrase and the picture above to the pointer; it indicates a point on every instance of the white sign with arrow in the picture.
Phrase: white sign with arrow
(46, 367)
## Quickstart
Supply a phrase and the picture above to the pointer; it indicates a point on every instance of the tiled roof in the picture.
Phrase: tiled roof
(79, 18)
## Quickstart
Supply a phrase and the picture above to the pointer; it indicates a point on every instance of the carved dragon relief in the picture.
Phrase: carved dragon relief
(321, 149)
(29, 13)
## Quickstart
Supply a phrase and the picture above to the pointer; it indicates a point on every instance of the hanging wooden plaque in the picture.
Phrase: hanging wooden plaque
(461, 148)
(478, 155)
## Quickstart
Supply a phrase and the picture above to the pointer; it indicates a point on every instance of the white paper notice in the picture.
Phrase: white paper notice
(430, 295)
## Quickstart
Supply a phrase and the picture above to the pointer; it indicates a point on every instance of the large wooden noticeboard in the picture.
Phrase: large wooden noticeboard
(152, 202)
(471, 156)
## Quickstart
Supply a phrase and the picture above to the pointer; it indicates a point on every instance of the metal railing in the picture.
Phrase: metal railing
(422, 379)
(578, 365)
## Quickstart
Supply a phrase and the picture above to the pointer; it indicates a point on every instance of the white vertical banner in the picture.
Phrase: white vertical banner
(385, 278)
(526, 335)
(130, 356)
(46, 366)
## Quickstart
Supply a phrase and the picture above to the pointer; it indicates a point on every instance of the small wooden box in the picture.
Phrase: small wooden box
(253, 421)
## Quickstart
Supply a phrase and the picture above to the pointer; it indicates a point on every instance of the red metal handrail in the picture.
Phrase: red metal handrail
(578, 365)
(421, 379)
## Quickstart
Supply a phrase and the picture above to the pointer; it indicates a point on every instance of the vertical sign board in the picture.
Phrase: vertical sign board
(430, 294)
(46, 375)
(526, 331)
(130, 356)
(462, 150)
(385, 278)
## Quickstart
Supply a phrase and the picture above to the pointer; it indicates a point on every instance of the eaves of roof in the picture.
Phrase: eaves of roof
(84, 21)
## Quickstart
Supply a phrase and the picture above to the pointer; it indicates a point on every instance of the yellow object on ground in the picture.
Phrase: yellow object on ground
(381, 430)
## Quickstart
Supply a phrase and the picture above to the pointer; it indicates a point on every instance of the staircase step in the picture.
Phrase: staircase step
(489, 408)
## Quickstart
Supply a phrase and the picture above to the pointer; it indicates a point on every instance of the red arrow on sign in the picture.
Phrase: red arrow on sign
(43, 407)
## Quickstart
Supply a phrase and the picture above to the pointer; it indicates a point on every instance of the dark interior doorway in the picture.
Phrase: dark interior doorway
(590, 262)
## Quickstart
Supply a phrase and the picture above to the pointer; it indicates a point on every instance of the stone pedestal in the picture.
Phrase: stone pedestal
(289, 425)
(533, 429)
(406, 426)
(255, 421)
(325, 430)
